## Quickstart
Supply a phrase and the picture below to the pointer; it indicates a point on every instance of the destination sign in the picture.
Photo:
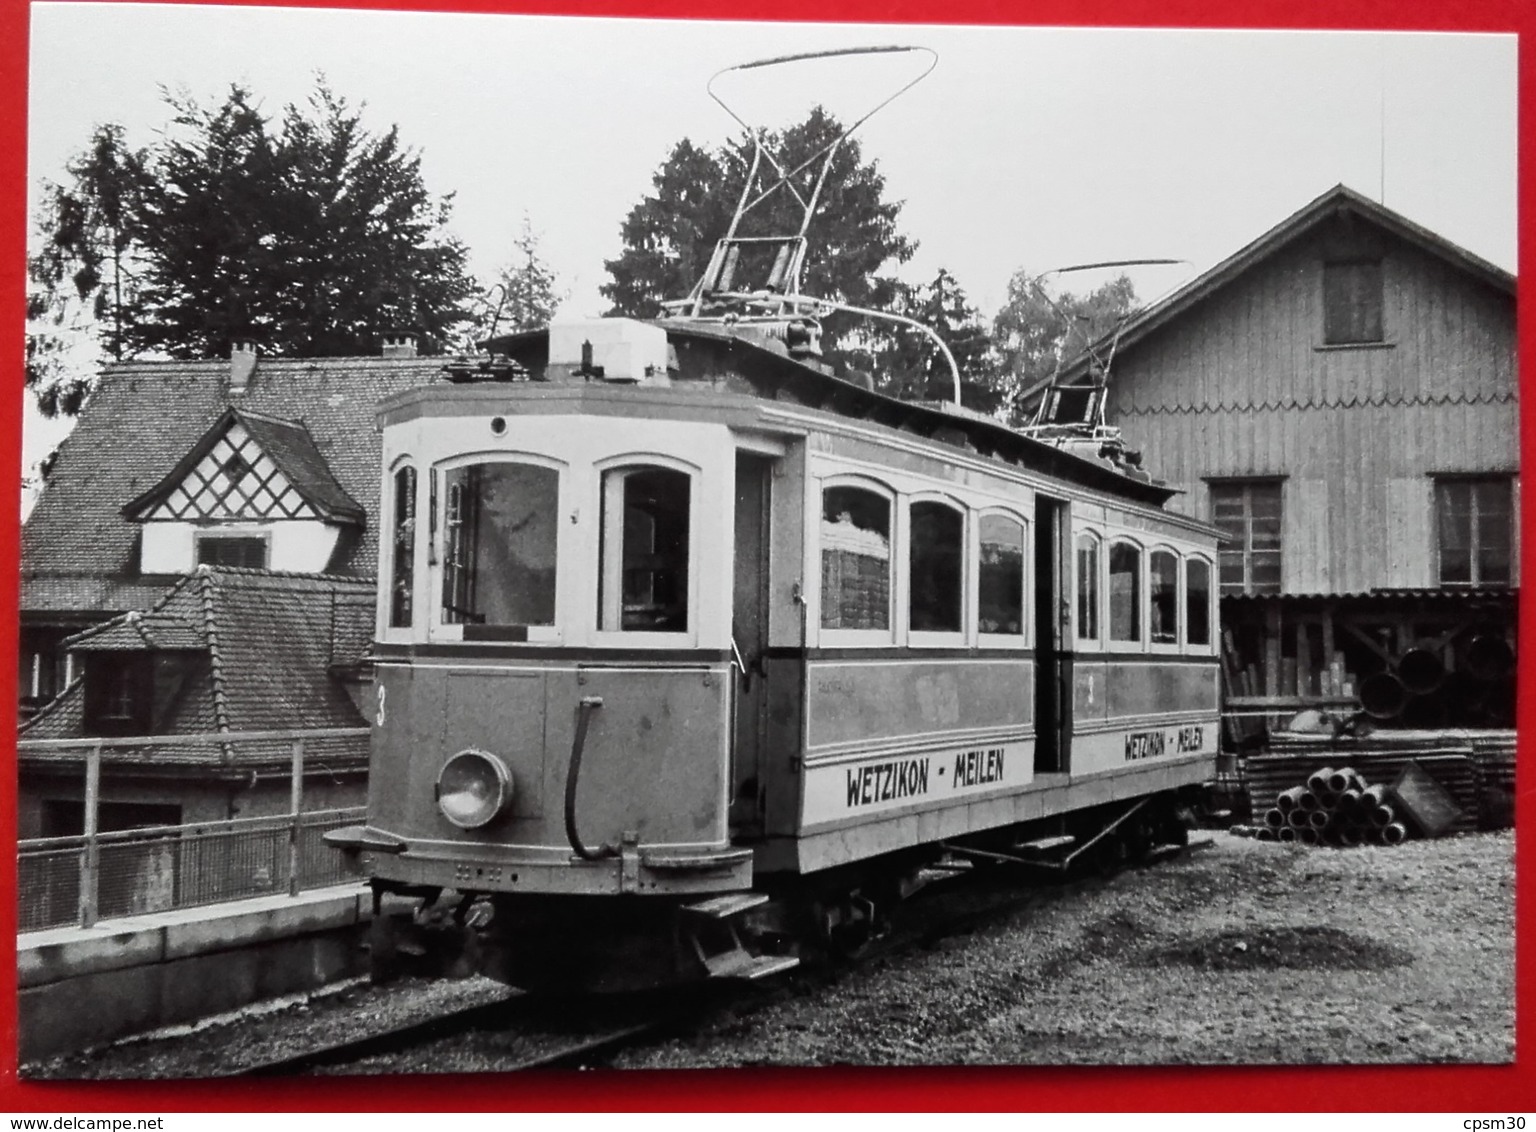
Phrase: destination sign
(1151, 744)
(842, 790)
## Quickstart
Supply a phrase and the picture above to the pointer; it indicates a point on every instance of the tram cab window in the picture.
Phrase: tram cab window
(403, 549)
(1164, 597)
(645, 550)
(1124, 592)
(936, 560)
(1087, 588)
(499, 548)
(855, 559)
(1001, 576)
(1197, 589)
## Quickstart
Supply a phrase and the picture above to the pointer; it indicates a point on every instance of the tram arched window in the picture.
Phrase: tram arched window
(1164, 597)
(645, 550)
(855, 559)
(1197, 591)
(403, 549)
(499, 544)
(936, 563)
(1124, 592)
(1087, 588)
(1001, 577)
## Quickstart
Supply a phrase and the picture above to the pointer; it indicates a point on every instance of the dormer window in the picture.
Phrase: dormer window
(248, 551)
(1352, 303)
(118, 693)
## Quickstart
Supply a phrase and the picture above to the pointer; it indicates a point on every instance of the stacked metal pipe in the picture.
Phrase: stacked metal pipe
(1333, 807)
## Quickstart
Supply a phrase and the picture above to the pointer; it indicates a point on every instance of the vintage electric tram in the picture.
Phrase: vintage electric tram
(689, 648)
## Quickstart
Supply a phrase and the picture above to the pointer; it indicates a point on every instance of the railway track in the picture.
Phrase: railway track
(520, 1032)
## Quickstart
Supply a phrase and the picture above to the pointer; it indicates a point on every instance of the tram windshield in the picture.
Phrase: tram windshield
(500, 536)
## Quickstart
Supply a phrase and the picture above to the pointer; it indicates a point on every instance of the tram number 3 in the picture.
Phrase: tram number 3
(379, 718)
(1151, 744)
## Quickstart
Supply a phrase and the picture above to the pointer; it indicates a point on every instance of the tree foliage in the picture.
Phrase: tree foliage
(909, 365)
(669, 236)
(525, 293)
(1035, 336)
(311, 236)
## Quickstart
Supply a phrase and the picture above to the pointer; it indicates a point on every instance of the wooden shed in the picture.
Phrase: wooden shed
(1341, 397)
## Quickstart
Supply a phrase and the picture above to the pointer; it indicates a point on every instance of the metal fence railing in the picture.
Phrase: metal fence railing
(81, 879)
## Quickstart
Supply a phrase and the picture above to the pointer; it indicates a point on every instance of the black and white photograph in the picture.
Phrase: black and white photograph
(565, 543)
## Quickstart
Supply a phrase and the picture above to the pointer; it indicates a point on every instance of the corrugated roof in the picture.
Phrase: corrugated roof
(80, 552)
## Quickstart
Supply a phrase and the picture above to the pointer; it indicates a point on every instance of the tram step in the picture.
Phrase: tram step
(741, 964)
(1045, 844)
(726, 905)
(696, 862)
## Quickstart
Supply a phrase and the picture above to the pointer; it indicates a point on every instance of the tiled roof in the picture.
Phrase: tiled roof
(149, 632)
(290, 447)
(80, 552)
(270, 640)
(62, 717)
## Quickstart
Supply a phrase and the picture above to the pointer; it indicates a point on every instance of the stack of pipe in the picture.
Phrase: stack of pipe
(1333, 807)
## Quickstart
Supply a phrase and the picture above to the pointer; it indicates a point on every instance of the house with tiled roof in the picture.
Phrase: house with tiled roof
(1340, 397)
(224, 651)
(267, 463)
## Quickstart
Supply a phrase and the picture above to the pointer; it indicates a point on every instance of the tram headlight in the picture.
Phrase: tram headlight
(473, 788)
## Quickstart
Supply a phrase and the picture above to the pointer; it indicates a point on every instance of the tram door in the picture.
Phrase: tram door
(1053, 662)
(749, 633)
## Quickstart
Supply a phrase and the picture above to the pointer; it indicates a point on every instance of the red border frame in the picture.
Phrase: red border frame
(1472, 1089)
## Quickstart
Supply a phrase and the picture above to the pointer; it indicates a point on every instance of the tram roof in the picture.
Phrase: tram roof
(774, 374)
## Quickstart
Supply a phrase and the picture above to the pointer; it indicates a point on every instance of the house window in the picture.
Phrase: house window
(1087, 588)
(402, 584)
(1001, 575)
(249, 551)
(645, 550)
(1124, 592)
(1164, 597)
(1248, 515)
(118, 691)
(1352, 302)
(1474, 522)
(1197, 610)
(855, 559)
(936, 558)
(501, 528)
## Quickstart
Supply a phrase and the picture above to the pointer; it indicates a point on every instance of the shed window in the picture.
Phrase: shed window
(855, 559)
(1164, 598)
(645, 550)
(1124, 592)
(403, 551)
(1197, 597)
(936, 560)
(1001, 575)
(249, 551)
(499, 544)
(1248, 514)
(1352, 302)
(1474, 518)
(1087, 588)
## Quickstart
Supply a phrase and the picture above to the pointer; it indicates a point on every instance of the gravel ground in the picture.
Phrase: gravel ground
(1245, 952)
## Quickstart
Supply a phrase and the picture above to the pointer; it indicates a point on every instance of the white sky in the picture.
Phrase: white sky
(1030, 148)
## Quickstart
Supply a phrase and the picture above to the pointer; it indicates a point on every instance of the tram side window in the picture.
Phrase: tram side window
(1164, 598)
(402, 574)
(1001, 576)
(645, 551)
(1087, 588)
(1197, 589)
(937, 564)
(855, 559)
(500, 534)
(1124, 592)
